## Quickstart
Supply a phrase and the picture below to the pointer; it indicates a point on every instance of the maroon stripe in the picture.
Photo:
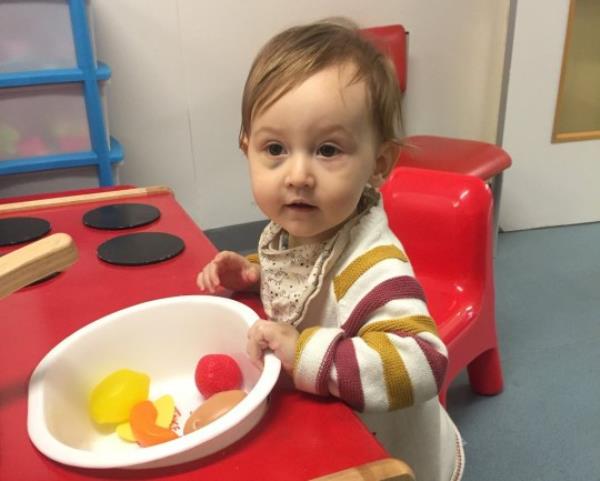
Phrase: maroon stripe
(348, 375)
(325, 367)
(437, 361)
(403, 287)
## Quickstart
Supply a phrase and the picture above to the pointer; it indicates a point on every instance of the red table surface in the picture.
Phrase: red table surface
(300, 437)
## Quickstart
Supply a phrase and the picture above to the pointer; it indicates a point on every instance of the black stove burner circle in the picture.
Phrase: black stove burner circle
(141, 248)
(16, 230)
(121, 216)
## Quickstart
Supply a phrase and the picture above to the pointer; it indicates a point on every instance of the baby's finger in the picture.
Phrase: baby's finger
(246, 276)
(252, 331)
(207, 282)
(257, 342)
(250, 275)
(212, 276)
(203, 279)
(200, 281)
(255, 353)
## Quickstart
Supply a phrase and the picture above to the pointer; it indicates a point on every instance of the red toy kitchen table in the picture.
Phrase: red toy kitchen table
(300, 437)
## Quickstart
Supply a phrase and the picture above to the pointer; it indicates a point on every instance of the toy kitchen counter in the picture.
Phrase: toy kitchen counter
(300, 437)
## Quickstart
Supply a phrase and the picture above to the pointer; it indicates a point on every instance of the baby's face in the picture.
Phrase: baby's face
(311, 154)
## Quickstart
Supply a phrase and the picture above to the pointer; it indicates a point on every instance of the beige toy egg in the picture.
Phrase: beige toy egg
(213, 408)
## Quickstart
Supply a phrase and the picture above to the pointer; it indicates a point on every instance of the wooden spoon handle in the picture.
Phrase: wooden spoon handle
(36, 261)
(389, 469)
(111, 195)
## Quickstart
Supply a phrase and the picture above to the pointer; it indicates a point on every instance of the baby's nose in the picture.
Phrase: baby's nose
(299, 174)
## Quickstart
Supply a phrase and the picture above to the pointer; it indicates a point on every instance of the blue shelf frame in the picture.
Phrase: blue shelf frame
(103, 155)
(55, 76)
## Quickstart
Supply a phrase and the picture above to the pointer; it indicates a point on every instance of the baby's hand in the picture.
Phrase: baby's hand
(229, 270)
(279, 337)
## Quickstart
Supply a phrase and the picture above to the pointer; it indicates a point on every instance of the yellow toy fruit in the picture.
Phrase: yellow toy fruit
(113, 398)
(125, 433)
(143, 424)
(165, 406)
(166, 410)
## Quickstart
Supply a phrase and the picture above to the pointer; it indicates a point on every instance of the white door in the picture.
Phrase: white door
(548, 184)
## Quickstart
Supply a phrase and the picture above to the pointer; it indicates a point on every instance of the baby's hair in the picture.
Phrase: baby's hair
(297, 53)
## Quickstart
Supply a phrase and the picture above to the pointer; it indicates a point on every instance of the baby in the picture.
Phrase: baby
(346, 317)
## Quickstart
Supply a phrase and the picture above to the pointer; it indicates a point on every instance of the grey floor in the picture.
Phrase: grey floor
(546, 423)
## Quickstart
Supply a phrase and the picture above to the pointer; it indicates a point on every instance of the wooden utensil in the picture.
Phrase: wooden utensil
(35, 261)
(383, 470)
(112, 195)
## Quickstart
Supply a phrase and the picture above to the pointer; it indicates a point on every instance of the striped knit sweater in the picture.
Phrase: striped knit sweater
(366, 336)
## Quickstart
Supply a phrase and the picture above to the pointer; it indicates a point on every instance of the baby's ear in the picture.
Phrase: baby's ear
(387, 156)
(244, 144)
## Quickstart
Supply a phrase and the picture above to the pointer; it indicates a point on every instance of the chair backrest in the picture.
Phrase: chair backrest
(391, 39)
(444, 222)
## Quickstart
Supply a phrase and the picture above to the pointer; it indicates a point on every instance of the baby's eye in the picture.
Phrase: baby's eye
(275, 149)
(328, 150)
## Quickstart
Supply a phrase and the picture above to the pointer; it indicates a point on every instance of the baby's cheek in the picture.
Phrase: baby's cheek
(263, 191)
(267, 204)
(345, 203)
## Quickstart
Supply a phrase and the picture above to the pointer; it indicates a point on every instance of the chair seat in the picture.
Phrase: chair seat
(453, 307)
(469, 157)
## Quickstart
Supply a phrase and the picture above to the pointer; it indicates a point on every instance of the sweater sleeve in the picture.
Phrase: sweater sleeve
(386, 354)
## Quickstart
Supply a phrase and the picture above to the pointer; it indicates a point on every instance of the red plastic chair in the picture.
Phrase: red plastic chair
(444, 222)
(480, 159)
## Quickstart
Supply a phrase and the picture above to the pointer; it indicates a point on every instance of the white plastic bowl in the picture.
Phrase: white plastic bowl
(164, 339)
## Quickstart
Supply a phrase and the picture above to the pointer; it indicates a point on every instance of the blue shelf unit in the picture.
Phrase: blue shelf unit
(104, 153)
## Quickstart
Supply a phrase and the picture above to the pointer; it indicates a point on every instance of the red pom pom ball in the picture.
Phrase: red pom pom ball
(216, 373)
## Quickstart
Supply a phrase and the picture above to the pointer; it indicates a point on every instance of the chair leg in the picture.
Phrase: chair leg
(485, 373)
(496, 186)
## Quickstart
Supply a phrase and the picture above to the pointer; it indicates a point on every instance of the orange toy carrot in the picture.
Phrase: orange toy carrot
(143, 424)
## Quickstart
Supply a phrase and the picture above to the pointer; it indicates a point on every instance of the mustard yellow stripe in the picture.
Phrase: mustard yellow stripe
(253, 258)
(361, 264)
(397, 381)
(302, 342)
(409, 324)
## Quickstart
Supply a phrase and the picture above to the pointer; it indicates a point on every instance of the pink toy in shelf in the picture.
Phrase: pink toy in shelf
(32, 147)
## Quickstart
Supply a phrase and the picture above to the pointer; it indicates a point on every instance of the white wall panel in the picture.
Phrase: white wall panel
(179, 68)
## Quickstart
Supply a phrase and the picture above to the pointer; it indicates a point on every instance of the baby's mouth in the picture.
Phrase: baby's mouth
(300, 206)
